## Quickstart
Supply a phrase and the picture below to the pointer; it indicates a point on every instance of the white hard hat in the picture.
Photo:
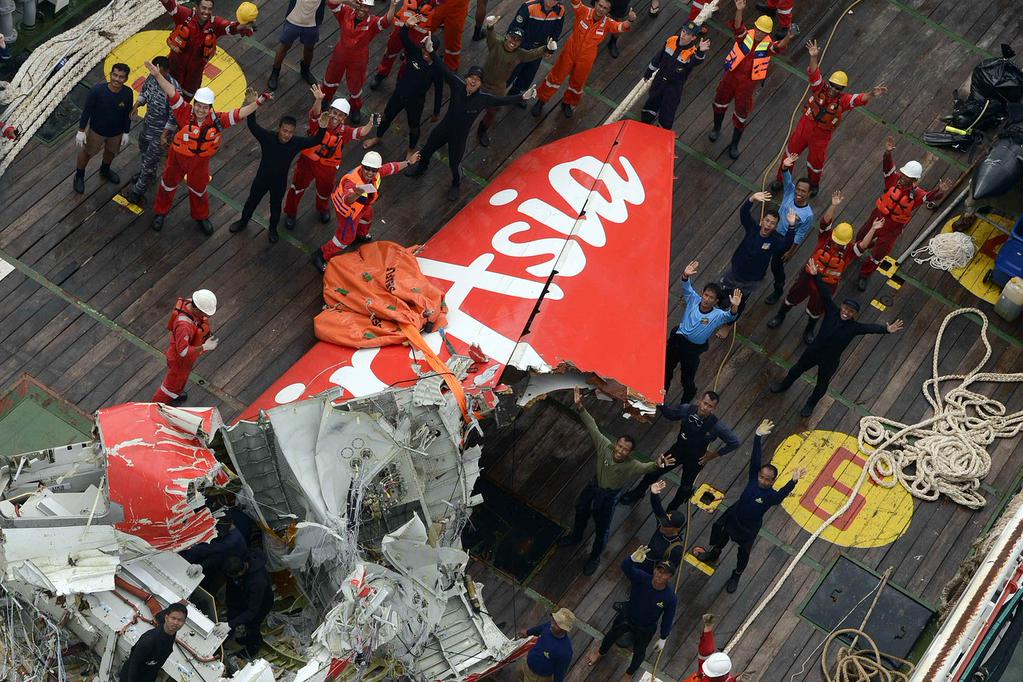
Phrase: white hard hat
(912, 169)
(205, 300)
(372, 160)
(204, 96)
(717, 665)
(342, 105)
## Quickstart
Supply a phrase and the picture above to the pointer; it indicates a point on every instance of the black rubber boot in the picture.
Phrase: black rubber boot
(861, 283)
(205, 225)
(709, 556)
(238, 225)
(567, 110)
(307, 73)
(537, 110)
(808, 333)
(157, 222)
(733, 149)
(324, 218)
(289, 222)
(79, 183)
(416, 170)
(478, 34)
(109, 175)
(612, 47)
(716, 132)
(774, 296)
(274, 80)
(318, 260)
(376, 81)
(779, 317)
(483, 136)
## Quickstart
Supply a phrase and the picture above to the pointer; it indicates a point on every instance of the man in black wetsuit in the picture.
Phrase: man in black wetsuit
(154, 647)
(277, 150)
(414, 80)
(467, 103)
(838, 330)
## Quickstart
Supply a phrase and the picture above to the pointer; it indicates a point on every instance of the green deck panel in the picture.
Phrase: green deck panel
(33, 418)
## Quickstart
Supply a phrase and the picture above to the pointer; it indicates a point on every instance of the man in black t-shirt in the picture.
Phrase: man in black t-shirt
(104, 125)
(154, 647)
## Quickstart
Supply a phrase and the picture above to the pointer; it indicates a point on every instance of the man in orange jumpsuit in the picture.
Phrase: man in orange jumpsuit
(450, 15)
(896, 206)
(745, 69)
(193, 42)
(319, 164)
(714, 666)
(350, 59)
(200, 131)
(191, 336)
(418, 30)
(592, 25)
(353, 202)
(824, 110)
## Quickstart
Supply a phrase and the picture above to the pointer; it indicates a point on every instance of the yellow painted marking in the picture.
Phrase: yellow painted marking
(229, 84)
(894, 284)
(880, 306)
(699, 565)
(972, 276)
(134, 208)
(879, 515)
(707, 489)
(888, 266)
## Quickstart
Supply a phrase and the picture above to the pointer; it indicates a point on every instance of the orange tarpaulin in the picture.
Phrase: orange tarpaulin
(371, 293)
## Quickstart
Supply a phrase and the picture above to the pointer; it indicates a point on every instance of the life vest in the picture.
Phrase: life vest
(831, 261)
(181, 37)
(202, 329)
(329, 150)
(761, 55)
(411, 8)
(353, 210)
(825, 111)
(198, 140)
(898, 203)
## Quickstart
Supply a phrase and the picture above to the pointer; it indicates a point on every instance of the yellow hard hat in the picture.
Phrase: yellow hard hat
(839, 79)
(764, 23)
(842, 234)
(246, 13)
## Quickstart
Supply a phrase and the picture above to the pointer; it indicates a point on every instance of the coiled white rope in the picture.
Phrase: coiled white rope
(946, 251)
(53, 69)
(944, 454)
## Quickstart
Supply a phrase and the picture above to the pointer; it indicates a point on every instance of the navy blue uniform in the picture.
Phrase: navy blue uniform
(539, 26)
(672, 64)
(646, 606)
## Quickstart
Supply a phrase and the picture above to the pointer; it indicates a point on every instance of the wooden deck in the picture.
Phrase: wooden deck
(85, 306)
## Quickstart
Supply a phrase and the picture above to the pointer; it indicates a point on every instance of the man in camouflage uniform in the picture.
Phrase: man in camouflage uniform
(157, 118)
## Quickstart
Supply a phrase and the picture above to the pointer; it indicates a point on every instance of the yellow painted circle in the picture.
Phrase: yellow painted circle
(878, 516)
(222, 73)
(983, 234)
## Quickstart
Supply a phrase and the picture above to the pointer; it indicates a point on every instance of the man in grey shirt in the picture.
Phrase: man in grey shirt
(302, 23)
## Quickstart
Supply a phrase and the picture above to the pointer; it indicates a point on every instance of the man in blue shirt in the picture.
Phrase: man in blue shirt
(700, 320)
(795, 200)
(651, 599)
(551, 654)
(761, 242)
(104, 125)
(741, 522)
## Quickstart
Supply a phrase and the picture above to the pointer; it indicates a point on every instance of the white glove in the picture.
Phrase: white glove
(125, 140)
(211, 344)
(529, 94)
(639, 556)
(80, 139)
(659, 645)
(552, 45)
(490, 21)
(765, 427)
(367, 188)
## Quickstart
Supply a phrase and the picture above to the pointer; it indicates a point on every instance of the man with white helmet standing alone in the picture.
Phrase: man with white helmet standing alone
(901, 198)
(191, 336)
(353, 202)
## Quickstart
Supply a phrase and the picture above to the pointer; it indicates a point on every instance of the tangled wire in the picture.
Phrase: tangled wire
(946, 251)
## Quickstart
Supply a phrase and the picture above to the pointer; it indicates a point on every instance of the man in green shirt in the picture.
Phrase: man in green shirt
(616, 471)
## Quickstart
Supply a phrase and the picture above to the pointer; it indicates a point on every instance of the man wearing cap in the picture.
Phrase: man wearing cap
(541, 22)
(200, 132)
(319, 164)
(154, 647)
(698, 428)
(616, 469)
(825, 107)
(193, 42)
(551, 654)
(666, 544)
(672, 65)
(714, 665)
(353, 202)
(191, 336)
(418, 74)
(901, 198)
(158, 116)
(742, 521)
(745, 68)
(834, 251)
(838, 330)
(502, 58)
(592, 25)
(467, 102)
(350, 58)
(277, 149)
(651, 599)
(301, 23)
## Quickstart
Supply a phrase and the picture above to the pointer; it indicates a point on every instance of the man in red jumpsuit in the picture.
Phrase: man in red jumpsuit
(350, 59)
(418, 30)
(191, 336)
(200, 131)
(781, 9)
(450, 15)
(745, 69)
(824, 110)
(193, 42)
(353, 201)
(592, 25)
(714, 666)
(901, 198)
(319, 164)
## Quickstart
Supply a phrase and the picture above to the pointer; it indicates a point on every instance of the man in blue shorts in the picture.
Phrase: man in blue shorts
(302, 23)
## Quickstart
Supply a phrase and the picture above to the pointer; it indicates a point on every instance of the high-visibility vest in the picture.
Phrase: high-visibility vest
(183, 34)
(761, 55)
(412, 8)
(361, 202)
(831, 261)
(898, 204)
(825, 111)
(198, 140)
(202, 328)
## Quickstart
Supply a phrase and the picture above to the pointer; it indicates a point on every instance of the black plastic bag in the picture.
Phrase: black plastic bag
(999, 171)
(998, 79)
